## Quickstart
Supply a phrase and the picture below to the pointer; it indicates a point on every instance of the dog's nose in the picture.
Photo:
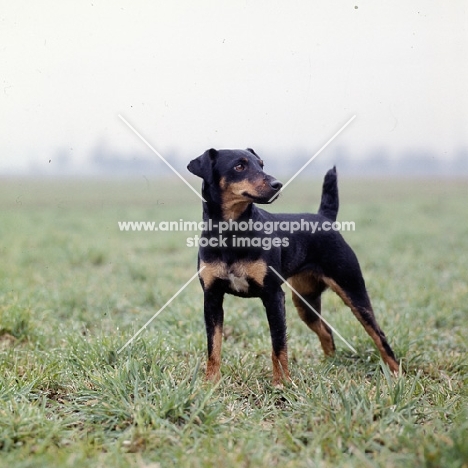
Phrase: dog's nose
(275, 184)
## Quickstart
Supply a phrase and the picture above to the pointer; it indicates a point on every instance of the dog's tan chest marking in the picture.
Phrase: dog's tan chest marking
(237, 274)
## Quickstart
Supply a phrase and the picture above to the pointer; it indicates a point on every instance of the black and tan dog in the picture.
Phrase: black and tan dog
(233, 180)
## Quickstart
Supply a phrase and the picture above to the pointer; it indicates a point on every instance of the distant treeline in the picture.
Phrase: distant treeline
(378, 162)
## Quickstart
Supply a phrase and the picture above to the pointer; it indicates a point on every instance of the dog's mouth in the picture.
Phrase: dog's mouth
(263, 192)
(263, 199)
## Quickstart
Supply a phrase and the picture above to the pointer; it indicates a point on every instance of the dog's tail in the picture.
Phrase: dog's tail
(330, 201)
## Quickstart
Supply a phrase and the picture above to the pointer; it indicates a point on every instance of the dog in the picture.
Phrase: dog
(233, 183)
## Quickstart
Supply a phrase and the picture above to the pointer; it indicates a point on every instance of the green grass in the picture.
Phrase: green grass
(74, 289)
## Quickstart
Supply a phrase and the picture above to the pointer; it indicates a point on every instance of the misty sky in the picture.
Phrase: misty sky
(191, 75)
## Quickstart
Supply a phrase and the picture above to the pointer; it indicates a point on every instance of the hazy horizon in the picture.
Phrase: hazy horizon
(276, 76)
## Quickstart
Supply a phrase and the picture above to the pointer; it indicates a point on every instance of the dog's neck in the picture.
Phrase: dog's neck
(235, 210)
(217, 209)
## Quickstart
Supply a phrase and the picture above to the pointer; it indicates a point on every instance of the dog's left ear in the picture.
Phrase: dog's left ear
(250, 150)
(203, 165)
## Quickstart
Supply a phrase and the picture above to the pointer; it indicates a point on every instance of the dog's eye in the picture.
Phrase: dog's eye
(239, 167)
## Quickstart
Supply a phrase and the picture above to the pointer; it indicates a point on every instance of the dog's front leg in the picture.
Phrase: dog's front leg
(276, 313)
(214, 316)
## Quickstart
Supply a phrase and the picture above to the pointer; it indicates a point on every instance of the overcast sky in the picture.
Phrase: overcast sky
(191, 75)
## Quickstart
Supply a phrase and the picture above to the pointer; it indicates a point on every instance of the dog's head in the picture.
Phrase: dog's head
(235, 177)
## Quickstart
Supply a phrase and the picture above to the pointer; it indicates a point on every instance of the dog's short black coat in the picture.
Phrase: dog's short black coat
(233, 181)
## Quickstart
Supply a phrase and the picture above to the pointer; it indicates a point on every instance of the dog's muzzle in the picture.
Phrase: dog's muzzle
(275, 184)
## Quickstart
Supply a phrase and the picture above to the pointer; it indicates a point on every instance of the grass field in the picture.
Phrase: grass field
(74, 289)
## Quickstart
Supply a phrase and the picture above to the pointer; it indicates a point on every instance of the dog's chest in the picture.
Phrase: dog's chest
(237, 274)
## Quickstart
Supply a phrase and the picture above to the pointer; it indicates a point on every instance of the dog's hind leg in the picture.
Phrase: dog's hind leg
(310, 288)
(351, 288)
(310, 314)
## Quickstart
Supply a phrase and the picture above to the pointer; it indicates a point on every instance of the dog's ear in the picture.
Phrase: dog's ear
(203, 165)
(250, 150)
